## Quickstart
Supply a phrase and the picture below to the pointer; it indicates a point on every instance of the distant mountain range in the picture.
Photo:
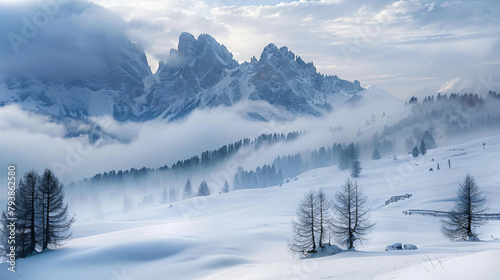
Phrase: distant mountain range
(200, 73)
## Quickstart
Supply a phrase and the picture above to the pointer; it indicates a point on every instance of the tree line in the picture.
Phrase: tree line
(205, 160)
(346, 157)
(457, 114)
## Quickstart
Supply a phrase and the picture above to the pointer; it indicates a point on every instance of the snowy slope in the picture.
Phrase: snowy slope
(466, 85)
(242, 234)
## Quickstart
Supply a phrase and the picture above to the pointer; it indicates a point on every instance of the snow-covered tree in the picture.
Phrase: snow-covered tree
(423, 148)
(415, 152)
(188, 190)
(164, 197)
(351, 215)
(203, 190)
(172, 195)
(376, 154)
(304, 228)
(323, 222)
(225, 188)
(356, 168)
(466, 215)
(429, 141)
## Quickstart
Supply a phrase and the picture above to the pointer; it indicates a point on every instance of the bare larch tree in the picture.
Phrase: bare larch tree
(466, 215)
(304, 228)
(323, 218)
(351, 224)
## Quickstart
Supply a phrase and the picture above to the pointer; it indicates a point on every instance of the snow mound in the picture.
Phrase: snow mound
(399, 246)
(328, 251)
(410, 247)
(395, 246)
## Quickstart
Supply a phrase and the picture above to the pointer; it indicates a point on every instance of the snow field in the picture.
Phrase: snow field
(242, 234)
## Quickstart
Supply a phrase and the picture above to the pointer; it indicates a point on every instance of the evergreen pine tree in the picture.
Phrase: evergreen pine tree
(423, 149)
(27, 205)
(429, 141)
(56, 225)
(172, 195)
(279, 176)
(14, 228)
(225, 188)
(415, 152)
(164, 197)
(188, 190)
(356, 169)
(203, 190)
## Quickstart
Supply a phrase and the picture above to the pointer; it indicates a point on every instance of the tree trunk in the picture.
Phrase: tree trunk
(32, 222)
(46, 241)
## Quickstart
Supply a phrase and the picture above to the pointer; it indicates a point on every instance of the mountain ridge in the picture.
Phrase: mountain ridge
(201, 73)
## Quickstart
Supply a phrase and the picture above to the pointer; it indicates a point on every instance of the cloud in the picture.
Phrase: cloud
(59, 40)
(320, 30)
(14, 120)
(31, 141)
(361, 38)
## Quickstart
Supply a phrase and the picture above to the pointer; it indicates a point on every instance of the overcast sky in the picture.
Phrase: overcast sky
(401, 46)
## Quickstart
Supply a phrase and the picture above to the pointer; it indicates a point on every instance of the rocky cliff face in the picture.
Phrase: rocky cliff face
(200, 73)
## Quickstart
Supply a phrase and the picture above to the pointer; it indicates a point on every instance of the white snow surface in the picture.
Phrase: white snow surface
(466, 85)
(243, 234)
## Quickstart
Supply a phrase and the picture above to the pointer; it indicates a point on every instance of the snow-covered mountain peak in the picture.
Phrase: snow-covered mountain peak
(282, 56)
(271, 51)
(205, 47)
(186, 44)
(481, 85)
(458, 85)
(200, 73)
